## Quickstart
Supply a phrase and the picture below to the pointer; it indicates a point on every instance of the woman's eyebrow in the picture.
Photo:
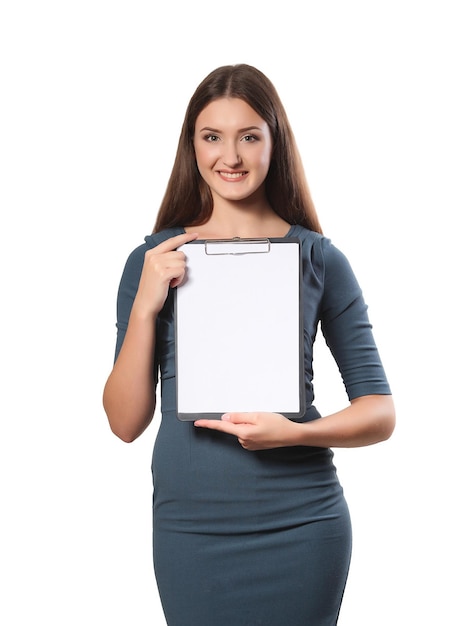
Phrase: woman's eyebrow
(240, 130)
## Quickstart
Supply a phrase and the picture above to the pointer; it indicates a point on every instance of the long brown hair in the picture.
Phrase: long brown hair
(188, 200)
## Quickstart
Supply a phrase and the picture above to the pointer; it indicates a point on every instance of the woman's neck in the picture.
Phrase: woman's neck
(230, 220)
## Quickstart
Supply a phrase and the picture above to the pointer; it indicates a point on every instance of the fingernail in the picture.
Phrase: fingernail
(226, 417)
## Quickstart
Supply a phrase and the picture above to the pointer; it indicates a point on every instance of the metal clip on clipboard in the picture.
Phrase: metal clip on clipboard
(236, 246)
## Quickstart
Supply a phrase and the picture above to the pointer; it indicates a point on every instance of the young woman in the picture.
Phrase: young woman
(250, 522)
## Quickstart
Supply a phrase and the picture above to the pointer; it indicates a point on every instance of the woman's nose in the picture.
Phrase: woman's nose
(231, 156)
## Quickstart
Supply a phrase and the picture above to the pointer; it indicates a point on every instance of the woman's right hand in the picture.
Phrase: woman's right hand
(164, 266)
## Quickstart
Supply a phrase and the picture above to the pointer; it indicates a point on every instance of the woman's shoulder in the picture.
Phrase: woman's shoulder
(135, 259)
(311, 241)
(306, 235)
(321, 251)
(155, 239)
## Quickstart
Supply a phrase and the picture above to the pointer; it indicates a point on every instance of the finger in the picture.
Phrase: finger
(177, 280)
(167, 267)
(219, 425)
(239, 418)
(175, 242)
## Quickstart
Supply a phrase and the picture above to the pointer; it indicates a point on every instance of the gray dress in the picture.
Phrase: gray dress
(246, 538)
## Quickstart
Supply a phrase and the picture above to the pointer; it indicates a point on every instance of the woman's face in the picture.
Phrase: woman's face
(233, 147)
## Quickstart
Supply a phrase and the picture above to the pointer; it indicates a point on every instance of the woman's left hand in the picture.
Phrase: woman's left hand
(255, 431)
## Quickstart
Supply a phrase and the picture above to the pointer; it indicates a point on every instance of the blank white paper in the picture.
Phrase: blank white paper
(238, 330)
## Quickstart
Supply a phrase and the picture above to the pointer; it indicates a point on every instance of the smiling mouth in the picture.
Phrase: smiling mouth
(232, 175)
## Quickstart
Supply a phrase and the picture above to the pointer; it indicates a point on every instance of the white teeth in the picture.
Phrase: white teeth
(232, 174)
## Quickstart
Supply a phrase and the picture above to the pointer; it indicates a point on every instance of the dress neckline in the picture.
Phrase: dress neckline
(289, 233)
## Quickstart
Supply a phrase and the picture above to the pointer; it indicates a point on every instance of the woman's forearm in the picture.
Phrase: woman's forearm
(368, 420)
(129, 393)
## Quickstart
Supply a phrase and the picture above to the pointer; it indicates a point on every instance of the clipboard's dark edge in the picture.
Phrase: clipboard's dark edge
(246, 240)
(301, 365)
(192, 417)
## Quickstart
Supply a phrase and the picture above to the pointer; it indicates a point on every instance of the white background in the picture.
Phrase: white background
(92, 98)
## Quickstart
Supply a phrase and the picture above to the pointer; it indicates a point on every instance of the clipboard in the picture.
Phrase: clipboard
(239, 328)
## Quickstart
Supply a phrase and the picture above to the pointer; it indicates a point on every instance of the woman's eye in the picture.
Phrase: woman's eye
(249, 138)
(211, 138)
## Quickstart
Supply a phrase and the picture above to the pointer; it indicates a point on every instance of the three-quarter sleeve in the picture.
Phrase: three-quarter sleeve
(128, 287)
(346, 327)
